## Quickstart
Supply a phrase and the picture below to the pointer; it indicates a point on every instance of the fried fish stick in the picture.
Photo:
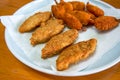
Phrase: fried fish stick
(59, 42)
(47, 30)
(77, 5)
(94, 10)
(75, 53)
(104, 23)
(72, 21)
(33, 21)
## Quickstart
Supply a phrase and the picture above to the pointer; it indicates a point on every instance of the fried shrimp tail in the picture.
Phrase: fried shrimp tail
(75, 53)
(33, 21)
(55, 1)
(59, 42)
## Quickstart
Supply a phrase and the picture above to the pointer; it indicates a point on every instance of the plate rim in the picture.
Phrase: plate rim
(48, 72)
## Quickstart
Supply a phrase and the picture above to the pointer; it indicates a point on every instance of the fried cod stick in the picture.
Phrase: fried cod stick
(47, 30)
(59, 42)
(75, 53)
(33, 21)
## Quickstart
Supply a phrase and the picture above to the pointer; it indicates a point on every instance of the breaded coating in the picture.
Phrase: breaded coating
(58, 11)
(59, 42)
(75, 53)
(92, 20)
(104, 23)
(94, 10)
(77, 5)
(67, 6)
(82, 16)
(47, 30)
(33, 21)
(71, 21)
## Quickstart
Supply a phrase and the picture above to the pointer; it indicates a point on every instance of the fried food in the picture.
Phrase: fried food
(67, 6)
(33, 21)
(77, 5)
(59, 9)
(59, 42)
(104, 23)
(92, 20)
(94, 10)
(71, 21)
(47, 30)
(75, 53)
(82, 16)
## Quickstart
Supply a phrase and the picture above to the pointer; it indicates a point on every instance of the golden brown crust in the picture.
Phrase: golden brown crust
(72, 21)
(92, 20)
(75, 53)
(33, 21)
(104, 23)
(67, 6)
(94, 10)
(61, 8)
(82, 16)
(47, 30)
(58, 11)
(58, 42)
(77, 5)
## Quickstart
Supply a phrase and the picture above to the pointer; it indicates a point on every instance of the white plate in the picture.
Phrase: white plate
(110, 58)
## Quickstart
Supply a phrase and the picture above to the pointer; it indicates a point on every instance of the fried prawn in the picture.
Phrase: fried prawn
(104, 23)
(94, 10)
(82, 16)
(72, 21)
(80, 6)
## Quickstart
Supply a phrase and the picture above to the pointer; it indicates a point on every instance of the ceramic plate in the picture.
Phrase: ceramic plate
(109, 59)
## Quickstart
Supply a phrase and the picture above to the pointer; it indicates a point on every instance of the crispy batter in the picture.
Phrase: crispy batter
(59, 42)
(67, 6)
(82, 16)
(92, 15)
(58, 11)
(104, 23)
(72, 21)
(77, 5)
(47, 30)
(75, 53)
(33, 21)
(94, 10)
(92, 20)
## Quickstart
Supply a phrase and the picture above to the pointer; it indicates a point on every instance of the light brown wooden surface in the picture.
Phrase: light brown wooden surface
(13, 69)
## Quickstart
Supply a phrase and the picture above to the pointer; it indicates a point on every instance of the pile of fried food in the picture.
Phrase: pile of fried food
(48, 27)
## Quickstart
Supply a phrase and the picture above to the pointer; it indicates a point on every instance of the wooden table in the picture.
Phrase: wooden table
(13, 69)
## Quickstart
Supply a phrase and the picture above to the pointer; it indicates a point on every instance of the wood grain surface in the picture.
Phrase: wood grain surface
(13, 69)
